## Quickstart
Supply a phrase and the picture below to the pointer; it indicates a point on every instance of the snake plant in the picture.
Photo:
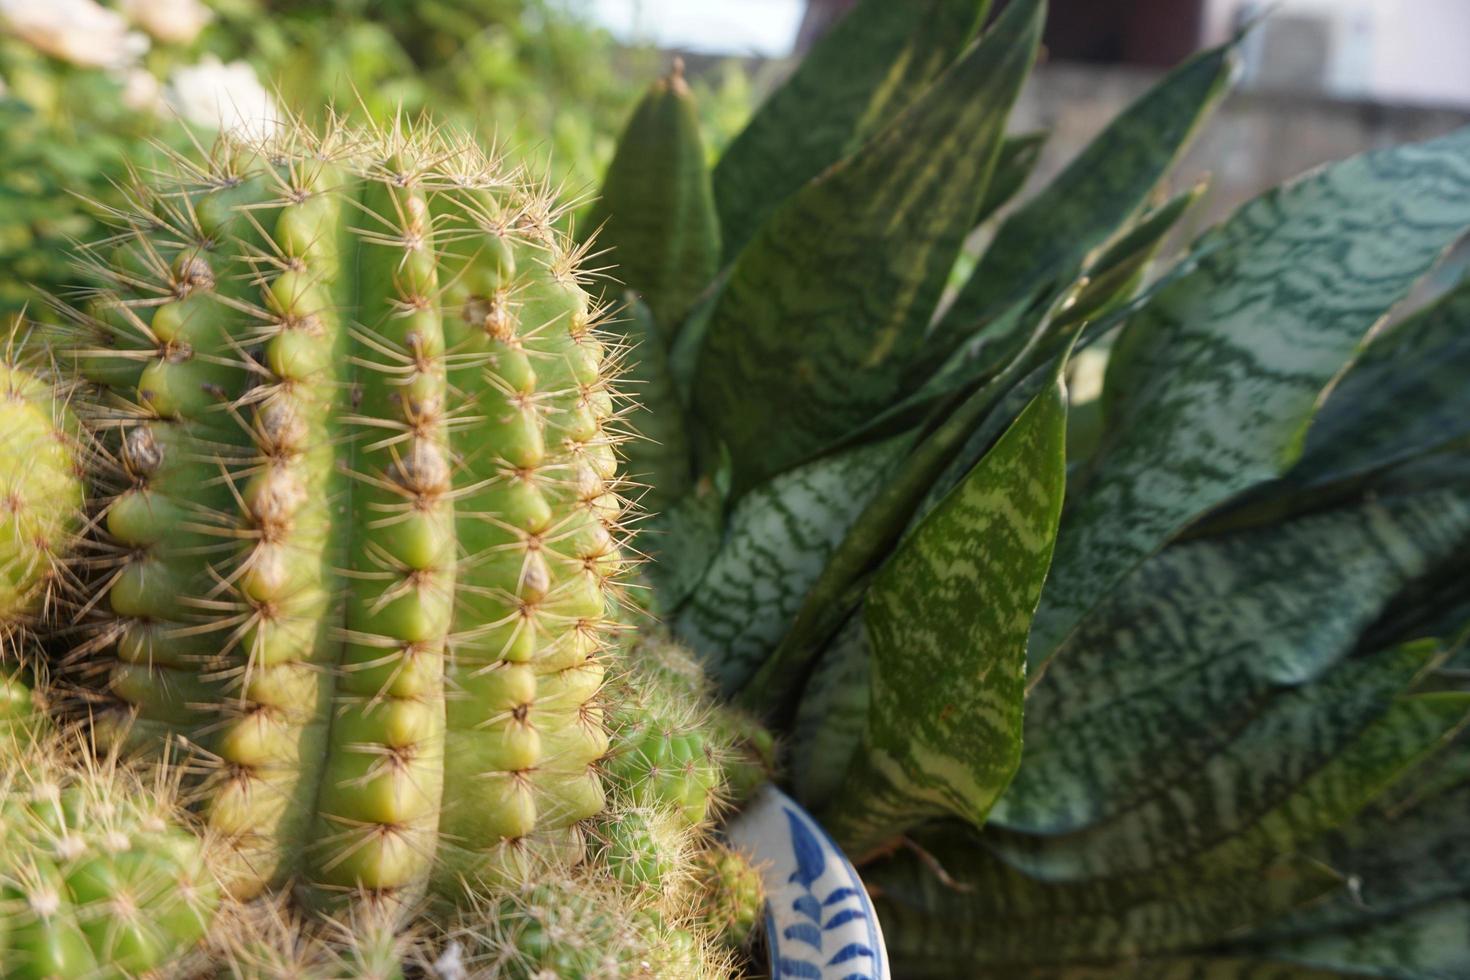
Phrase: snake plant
(1181, 699)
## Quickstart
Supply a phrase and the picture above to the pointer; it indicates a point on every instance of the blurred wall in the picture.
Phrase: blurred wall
(1387, 50)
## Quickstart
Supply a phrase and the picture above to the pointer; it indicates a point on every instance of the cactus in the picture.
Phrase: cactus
(580, 925)
(731, 894)
(40, 493)
(97, 879)
(647, 848)
(673, 744)
(367, 532)
(267, 939)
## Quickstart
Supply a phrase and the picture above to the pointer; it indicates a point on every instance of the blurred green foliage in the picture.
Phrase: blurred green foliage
(534, 77)
(67, 136)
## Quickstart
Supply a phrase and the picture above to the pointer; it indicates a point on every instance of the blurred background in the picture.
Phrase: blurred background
(90, 87)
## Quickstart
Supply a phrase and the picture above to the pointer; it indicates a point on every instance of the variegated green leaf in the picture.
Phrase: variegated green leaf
(864, 72)
(994, 921)
(1115, 275)
(1409, 852)
(948, 618)
(832, 716)
(907, 495)
(1225, 366)
(1009, 347)
(1406, 395)
(660, 460)
(1087, 204)
(997, 921)
(1019, 155)
(830, 300)
(779, 539)
(656, 214)
(681, 542)
(1303, 765)
(1430, 943)
(1185, 651)
(1179, 968)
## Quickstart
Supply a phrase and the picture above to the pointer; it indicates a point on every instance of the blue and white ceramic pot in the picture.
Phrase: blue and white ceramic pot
(820, 923)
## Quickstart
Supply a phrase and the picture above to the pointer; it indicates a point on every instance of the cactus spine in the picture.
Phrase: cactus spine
(367, 540)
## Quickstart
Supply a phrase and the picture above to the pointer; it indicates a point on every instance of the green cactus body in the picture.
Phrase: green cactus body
(18, 712)
(96, 881)
(582, 927)
(664, 756)
(40, 496)
(370, 523)
(647, 848)
(268, 940)
(731, 895)
(673, 745)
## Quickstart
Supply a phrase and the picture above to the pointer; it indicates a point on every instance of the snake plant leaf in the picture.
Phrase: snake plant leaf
(656, 215)
(991, 920)
(659, 460)
(1310, 761)
(871, 65)
(1010, 345)
(1116, 275)
(1407, 853)
(1019, 156)
(1232, 357)
(832, 715)
(1201, 634)
(955, 602)
(1430, 943)
(779, 539)
(1405, 396)
(833, 295)
(681, 542)
(1399, 417)
(900, 505)
(1085, 206)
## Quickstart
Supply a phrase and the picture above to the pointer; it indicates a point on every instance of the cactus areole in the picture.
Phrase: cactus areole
(368, 536)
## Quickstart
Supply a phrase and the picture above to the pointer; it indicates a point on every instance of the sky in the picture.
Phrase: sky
(740, 27)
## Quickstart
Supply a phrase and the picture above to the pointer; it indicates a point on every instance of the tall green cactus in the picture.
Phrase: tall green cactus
(368, 539)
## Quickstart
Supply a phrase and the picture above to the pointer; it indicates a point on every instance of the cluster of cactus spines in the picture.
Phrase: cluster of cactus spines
(673, 744)
(368, 532)
(268, 939)
(582, 925)
(97, 878)
(730, 894)
(41, 492)
(647, 847)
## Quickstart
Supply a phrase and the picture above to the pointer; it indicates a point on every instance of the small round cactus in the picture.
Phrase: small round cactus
(583, 926)
(97, 879)
(41, 492)
(368, 531)
(672, 744)
(647, 848)
(268, 939)
(731, 897)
